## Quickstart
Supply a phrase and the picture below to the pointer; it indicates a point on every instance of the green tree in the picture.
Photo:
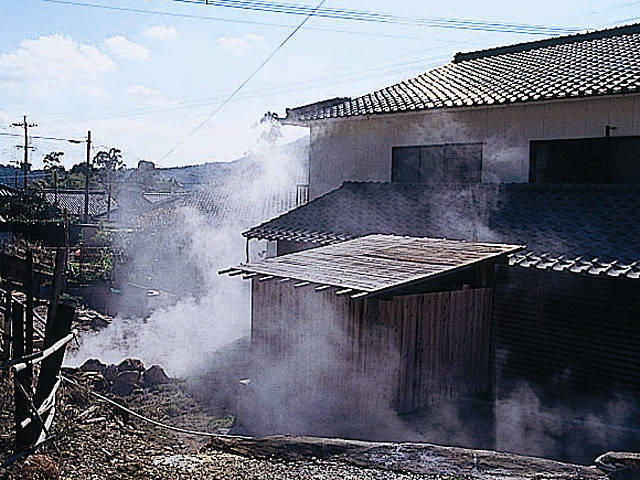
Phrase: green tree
(52, 164)
(74, 178)
(108, 163)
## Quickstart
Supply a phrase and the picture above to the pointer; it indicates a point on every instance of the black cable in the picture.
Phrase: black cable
(366, 16)
(248, 94)
(246, 80)
(70, 140)
(214, 19)
(341, 14)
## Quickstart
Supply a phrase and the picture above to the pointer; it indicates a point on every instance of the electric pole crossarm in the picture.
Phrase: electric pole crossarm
(25, 164)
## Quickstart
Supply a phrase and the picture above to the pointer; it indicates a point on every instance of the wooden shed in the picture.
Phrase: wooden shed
(379, 322)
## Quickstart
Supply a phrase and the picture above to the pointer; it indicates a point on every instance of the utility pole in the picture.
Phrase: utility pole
(25, 162)
(86, 179)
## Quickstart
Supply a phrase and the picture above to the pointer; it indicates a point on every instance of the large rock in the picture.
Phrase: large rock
(155, 375)
(131, 364)
(93, 365)
(620, 465)
(110, 373)
(126, 382)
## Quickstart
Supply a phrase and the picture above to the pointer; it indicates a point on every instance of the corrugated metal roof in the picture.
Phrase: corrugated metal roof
(584, 65)
(578, 222)
(377, 263)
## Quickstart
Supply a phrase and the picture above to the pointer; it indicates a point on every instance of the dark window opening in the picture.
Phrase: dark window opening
(435, 164)
(585, 160)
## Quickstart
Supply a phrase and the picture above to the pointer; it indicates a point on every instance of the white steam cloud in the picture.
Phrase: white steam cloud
(183, 336)
(183, 255)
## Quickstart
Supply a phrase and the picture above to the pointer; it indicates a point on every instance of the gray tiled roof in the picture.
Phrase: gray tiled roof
(73, 202)
(6, 191)
(224, 203)
(156, 198)
(568, 220)
(598, 63)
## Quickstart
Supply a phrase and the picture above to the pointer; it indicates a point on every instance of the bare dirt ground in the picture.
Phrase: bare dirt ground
(94, 440)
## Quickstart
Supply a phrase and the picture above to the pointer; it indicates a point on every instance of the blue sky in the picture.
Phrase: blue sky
(143, 80)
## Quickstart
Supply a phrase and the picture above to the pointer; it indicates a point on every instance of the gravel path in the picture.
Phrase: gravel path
(223, 466)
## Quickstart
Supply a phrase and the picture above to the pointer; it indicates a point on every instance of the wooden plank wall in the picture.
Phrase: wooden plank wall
(568, 333)
(404, 353)
(446, 348)
(301, 330)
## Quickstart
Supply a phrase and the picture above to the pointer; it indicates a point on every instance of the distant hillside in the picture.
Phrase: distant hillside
(186, 178)
(11, 176)
(193, 175)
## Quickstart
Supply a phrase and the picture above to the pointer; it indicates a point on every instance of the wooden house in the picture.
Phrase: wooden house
(532, 144)
(562, 109)
(564, 315)
(401, 322)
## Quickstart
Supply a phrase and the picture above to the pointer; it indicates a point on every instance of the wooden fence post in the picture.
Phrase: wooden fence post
(28, 310)
(8, 300)
(19, 379)
(59, 281)
(6, 327)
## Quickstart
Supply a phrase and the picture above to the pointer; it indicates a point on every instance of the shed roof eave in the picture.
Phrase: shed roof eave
(294, 122)
(378, 263)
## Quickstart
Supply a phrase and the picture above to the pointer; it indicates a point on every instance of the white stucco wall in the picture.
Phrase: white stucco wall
(359, 148)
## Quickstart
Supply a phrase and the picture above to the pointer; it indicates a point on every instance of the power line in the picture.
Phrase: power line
(43, 138)
(338, 14)
(214, 19)
(246, 80)
(368, 16)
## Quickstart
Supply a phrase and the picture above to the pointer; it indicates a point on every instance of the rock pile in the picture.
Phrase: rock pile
(92, 320)
(126, 377)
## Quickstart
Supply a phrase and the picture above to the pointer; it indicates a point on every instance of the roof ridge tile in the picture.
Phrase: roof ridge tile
(548, 42)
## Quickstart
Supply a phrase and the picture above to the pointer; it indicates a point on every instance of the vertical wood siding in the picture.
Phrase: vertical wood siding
(446, 350)
(404, 353)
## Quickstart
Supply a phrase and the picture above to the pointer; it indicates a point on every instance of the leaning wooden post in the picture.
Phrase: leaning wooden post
(55, 331)
(19, 379)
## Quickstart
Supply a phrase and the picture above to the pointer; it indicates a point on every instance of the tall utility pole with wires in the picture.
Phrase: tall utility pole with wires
(25, 162)
(86, 179)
